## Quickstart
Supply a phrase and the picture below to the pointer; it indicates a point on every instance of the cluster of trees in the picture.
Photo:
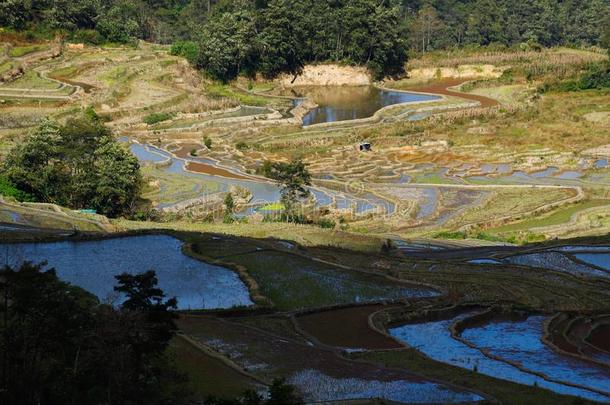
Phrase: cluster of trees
(58, 345)
(78, 165)
(438, 24)
(94, 20)
(280, 36)
(229, 37)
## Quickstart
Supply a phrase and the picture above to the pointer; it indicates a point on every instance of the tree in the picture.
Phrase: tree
(58, 345)
(281, 39)
(281, 393)
(229, 208)
(78, 165)
(604, 40)
(294, 178)
(144, 297)
(226, 45)
(425, 27)
(120, 23)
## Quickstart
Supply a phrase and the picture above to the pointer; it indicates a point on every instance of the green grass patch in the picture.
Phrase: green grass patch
(5, 67)
(277, 206)
(206, 374)
(67, 71)
(31, 80)
(20, 51)
(157, 117)
(225, 91)
(558, 217)
(293, 282)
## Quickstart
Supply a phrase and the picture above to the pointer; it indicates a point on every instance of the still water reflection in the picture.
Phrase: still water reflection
(340, 103)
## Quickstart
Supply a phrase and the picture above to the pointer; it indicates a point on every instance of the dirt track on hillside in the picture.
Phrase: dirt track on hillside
(443, 86)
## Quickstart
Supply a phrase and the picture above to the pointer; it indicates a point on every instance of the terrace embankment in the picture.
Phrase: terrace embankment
(205, 168)
(571, 334)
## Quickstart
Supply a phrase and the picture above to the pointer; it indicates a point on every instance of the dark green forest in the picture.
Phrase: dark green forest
(231, 37)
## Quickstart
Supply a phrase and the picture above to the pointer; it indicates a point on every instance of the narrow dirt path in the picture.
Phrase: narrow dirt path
(444, 87)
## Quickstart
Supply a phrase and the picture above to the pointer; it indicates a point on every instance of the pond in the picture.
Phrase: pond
(92, 265)
(341, 103)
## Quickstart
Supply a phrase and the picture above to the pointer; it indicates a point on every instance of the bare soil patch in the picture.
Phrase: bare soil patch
(213, 170)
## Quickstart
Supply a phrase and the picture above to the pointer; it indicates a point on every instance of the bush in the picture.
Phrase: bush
(87, 36)
(155, 118)
(187, 49)
(597, 77)
(7, 189)
(450, 235)
(326, 223)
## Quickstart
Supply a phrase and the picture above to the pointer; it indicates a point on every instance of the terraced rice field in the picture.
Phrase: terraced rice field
(435, 340)
(355, 334)
(295, 283)
(266, 355)
(93, 265)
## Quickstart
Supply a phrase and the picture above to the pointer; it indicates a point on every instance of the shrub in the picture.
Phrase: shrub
(87, 36)
(326, 223)
(7, 189)
(187, 49)
(450, 235)
(155, 118)
(207, 142)
(241, 146)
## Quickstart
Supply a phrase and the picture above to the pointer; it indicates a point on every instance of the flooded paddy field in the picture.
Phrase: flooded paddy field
(520, 342)
(582, 261)
(355, 333)
(352, 102)
(435, 340)
(294, 282)
(269, 354)
(93, 265)
(475, 175)
(576, 335)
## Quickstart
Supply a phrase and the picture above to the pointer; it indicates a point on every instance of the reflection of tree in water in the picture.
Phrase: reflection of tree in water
(12, 255)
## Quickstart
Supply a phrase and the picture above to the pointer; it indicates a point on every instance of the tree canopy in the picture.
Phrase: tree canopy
(293, 179)
(231, 37)
(78, 165)
(59, 346)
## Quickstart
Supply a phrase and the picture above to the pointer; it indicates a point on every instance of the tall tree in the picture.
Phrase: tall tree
(78, 165)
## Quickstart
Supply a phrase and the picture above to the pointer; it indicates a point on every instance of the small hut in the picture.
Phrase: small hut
(365, 147)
